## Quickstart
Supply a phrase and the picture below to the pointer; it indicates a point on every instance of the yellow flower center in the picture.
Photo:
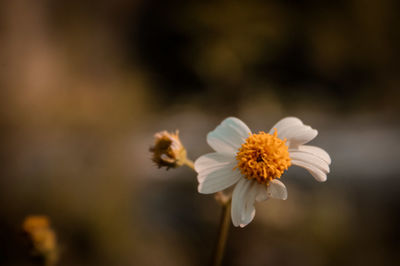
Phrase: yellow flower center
(263, 157)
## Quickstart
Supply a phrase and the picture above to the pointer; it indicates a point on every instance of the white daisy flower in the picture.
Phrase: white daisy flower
(255, 162)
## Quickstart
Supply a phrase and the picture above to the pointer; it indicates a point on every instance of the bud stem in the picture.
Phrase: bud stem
(189, 163)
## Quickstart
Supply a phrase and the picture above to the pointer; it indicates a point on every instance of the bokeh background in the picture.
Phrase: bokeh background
(86, 84)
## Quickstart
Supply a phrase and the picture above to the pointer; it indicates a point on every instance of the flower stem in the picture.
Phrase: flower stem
(225, 221)
(189, 163)
(224, 226)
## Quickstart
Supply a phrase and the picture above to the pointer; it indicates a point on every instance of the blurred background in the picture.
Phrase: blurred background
(85, 85)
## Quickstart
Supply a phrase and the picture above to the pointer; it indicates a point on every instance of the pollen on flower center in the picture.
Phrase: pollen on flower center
(263, 157)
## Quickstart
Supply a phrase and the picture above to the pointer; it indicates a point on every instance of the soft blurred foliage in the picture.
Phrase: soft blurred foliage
(86, 84)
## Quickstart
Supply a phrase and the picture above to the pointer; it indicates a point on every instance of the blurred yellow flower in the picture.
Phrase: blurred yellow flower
(35, 222)
(41, 237)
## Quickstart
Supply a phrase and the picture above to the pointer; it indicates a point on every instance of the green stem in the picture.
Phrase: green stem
(225, 222)
(224, 226)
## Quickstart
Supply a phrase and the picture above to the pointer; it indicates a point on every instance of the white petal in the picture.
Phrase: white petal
(314, 171)
(249, 211)
(239, 200)
(310, 159)
(285, 123)
(316, 151)
(246, 193)
(262, 193)
(219, 179)
(277, 190)
(299, 135)
(211, 162)
(294, 131)
(227, 137)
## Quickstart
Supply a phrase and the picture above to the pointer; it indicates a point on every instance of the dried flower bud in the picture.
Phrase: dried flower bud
(41, 237)
(168, 150)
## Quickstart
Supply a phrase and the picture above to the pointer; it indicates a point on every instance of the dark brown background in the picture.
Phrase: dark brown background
(85, 84)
